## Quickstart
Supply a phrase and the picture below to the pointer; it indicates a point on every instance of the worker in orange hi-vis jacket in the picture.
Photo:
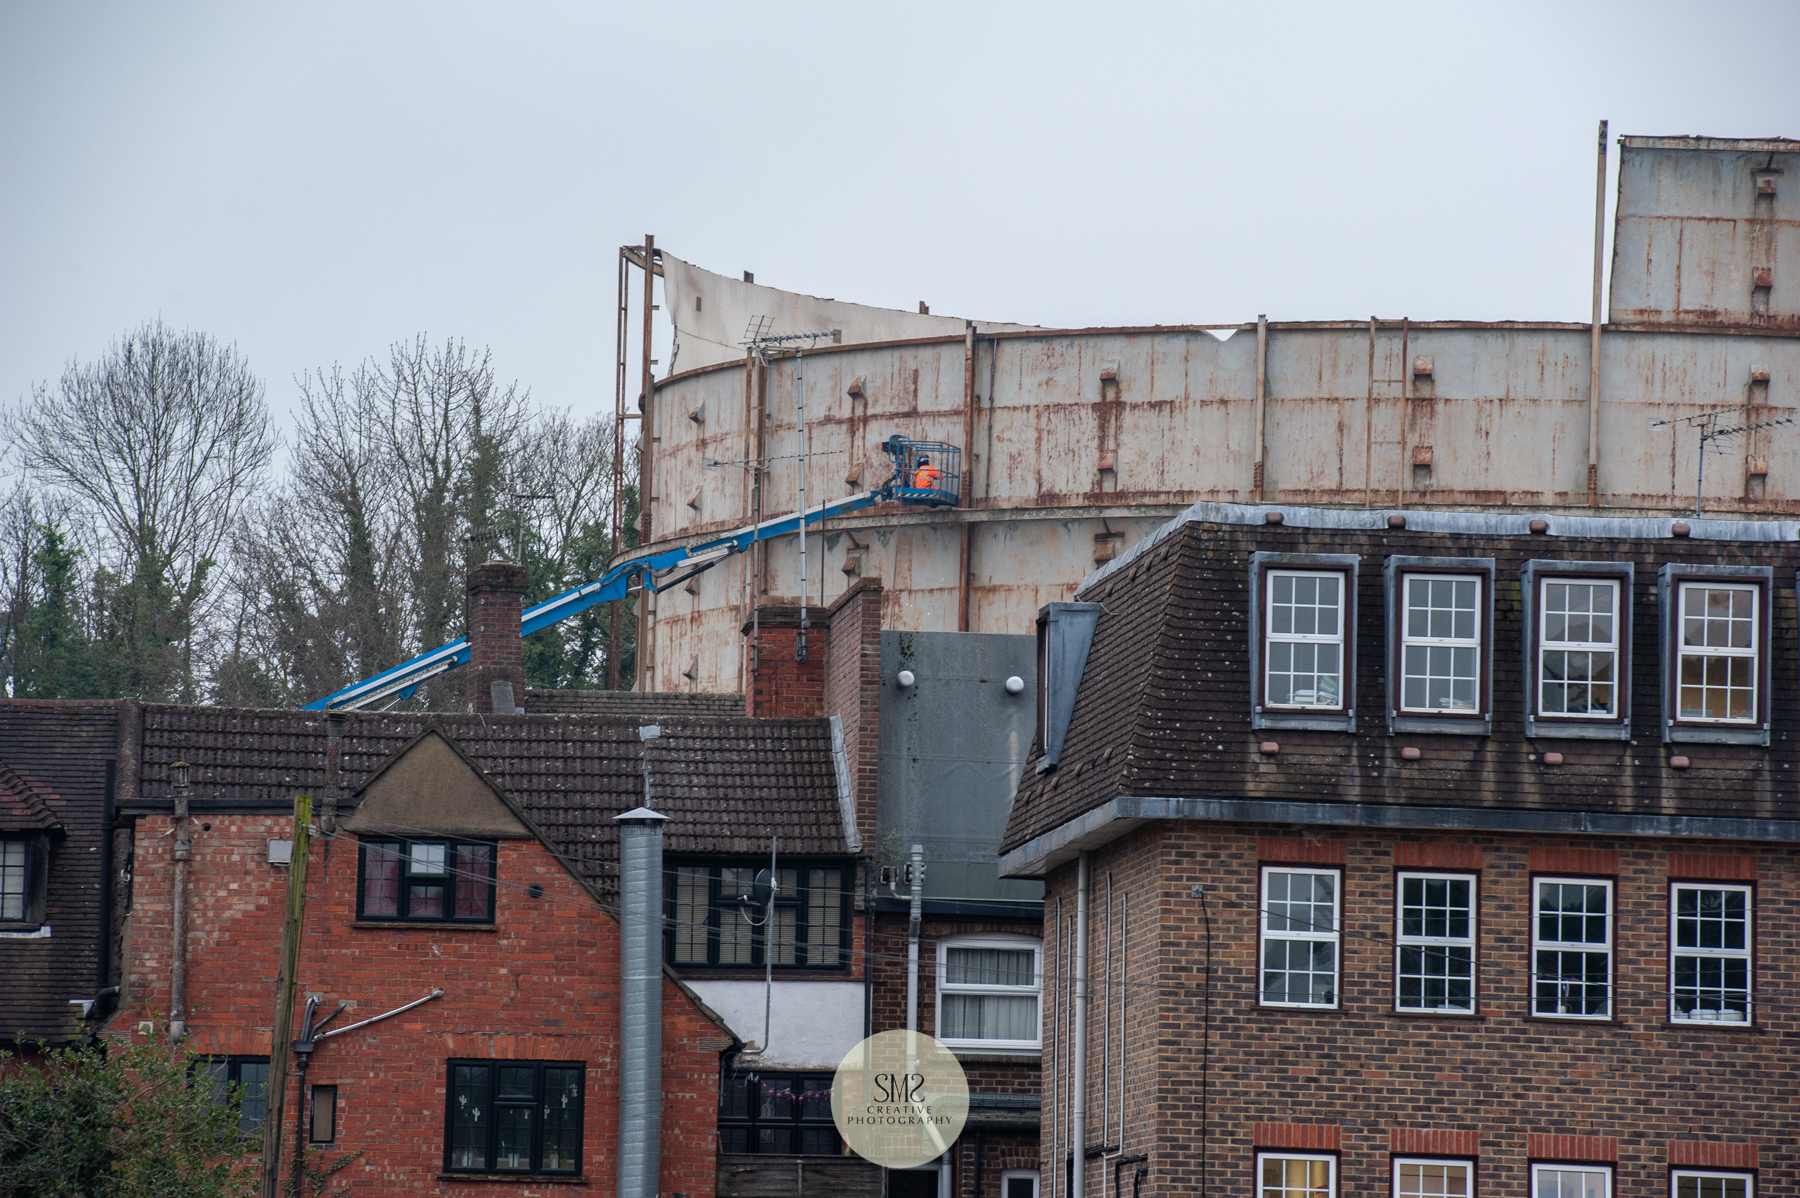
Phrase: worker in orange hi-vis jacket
(925, 478)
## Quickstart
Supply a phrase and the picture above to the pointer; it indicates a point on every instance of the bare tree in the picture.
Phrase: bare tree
(161, 441)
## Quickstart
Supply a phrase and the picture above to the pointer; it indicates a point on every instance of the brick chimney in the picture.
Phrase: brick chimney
(779, 685)
(853, 690)
(496, 655)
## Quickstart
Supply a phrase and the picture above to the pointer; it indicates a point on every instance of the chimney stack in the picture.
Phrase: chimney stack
(778, 684)
(496, 682)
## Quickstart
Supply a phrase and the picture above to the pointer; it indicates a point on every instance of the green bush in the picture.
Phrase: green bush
(119, 1121)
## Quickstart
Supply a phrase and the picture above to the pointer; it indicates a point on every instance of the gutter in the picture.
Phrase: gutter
(1124, 813)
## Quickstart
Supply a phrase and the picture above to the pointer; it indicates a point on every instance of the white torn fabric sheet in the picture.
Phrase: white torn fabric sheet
(711, 313)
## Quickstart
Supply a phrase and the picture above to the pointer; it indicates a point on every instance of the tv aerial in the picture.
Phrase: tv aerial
(759, 339)
(1712, 428)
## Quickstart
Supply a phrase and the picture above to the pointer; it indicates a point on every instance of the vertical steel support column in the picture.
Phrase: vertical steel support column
(1078, 1087)
(1262, 388)
(800, 457)
(1593, 473)
(640, 1002)
(966, 485)
(614, 625)
(646, 652)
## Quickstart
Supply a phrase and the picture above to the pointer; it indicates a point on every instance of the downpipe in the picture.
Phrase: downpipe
(1078, 1087)
(184, 852)
(916, 876)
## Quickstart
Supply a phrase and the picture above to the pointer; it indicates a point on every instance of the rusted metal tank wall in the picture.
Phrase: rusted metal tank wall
(1707, 233)
(1098, 436)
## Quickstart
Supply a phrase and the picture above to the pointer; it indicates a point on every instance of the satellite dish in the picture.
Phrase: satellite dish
(765, 888)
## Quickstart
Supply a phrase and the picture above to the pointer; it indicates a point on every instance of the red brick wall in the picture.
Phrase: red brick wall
(543, 984)
(496, 592)
(1502, 1086)
(853, 691)
(995, 1073)
(778, 685)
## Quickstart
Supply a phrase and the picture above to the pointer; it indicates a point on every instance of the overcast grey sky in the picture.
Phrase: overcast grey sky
(313, 181)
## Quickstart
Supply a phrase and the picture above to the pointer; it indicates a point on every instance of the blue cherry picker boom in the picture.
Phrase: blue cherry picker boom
(937, 483)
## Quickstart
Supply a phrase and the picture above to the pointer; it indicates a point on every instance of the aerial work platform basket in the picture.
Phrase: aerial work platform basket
(925, 472)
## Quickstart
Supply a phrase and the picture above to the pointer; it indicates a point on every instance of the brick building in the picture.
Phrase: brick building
(1424, 853)
(915, 762)
(472, 855)
(464, 874)
(58, 924)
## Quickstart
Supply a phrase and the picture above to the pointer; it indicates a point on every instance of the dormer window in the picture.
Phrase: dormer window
(426, 881)
(1716, 632)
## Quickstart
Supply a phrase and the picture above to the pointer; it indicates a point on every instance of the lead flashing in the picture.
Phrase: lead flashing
(1113, 819)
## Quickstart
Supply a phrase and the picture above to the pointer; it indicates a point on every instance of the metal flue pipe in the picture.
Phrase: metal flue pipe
(640, 1002)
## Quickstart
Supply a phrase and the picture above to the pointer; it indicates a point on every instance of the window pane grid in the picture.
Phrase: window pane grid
(779, 1113)
(713, 920)
(12, 879)
(1296, 1176)
(514, 1117)
(1572, 949)
(1299, 926)
(1569, 1181)
(1690, 1184)
(1435, 968)
(1578, 648)
(428, 881)
(1710, 949)
(1305, 640)
(1432, 1179)
(1716, 678)
(1440, 644)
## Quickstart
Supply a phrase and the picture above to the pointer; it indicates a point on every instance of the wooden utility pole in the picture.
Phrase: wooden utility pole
(281, 1042)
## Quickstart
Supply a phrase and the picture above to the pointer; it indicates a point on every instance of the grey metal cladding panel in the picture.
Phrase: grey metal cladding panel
(1068, 632)
(952, 746)
(1687, 236)
(1180, 679)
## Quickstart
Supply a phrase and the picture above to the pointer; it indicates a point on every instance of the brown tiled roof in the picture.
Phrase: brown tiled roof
(1164, 707)
(24, 803)
(727, 784)
(654, 705)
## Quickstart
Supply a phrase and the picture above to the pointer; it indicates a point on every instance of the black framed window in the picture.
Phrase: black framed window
(787, 1113)
(513, 1117)
(251, 1076)
(426, 880)
(23, 861)
(714, 919)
